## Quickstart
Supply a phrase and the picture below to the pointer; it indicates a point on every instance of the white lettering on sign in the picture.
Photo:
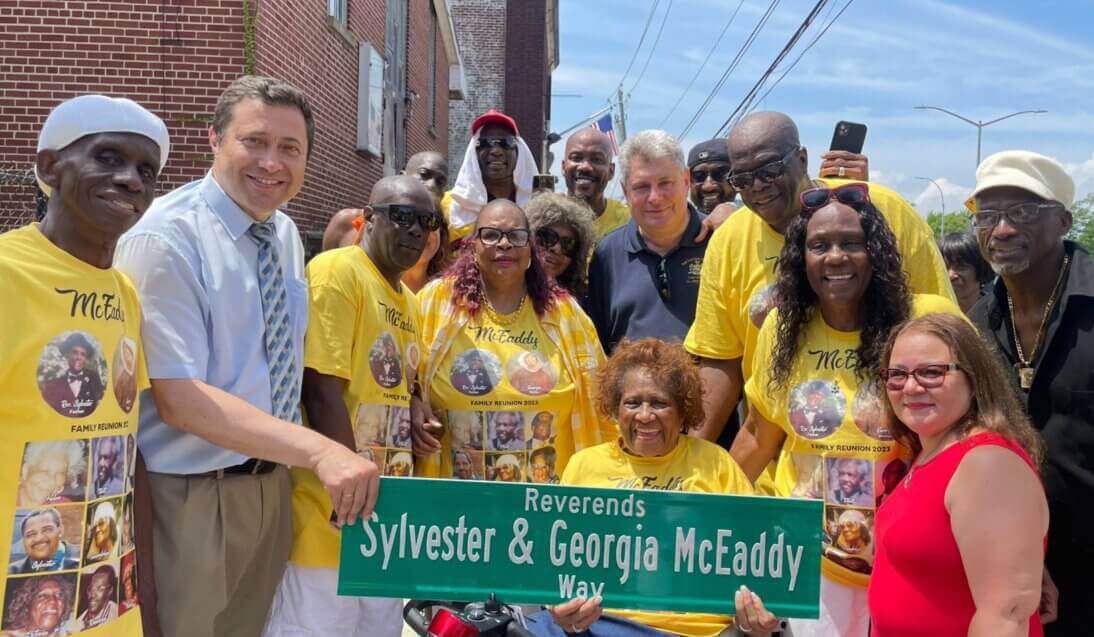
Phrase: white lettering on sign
(569, 586)
(690, 554)
(460, 542)
(631, 552)
(628, 507)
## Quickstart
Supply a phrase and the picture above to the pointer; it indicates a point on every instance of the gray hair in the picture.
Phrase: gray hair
(651, 145)
(73, 451)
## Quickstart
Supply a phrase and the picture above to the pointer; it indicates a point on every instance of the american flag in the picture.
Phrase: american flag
(604, 125)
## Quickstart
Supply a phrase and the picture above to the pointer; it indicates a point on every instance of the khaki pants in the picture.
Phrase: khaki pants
(220, 548)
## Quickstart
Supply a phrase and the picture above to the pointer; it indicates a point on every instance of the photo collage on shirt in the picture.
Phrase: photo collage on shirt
(851, 487)
(382, 431)
(505, 446)
(71, 565)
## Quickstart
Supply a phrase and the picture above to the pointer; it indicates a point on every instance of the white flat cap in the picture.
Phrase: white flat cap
(86, 115)
(1043, 176)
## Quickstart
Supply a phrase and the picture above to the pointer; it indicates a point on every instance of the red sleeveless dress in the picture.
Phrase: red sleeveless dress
(918, 586)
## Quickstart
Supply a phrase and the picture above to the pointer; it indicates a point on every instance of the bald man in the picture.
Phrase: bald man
(360, 312)
(588, 166)
(735, 293)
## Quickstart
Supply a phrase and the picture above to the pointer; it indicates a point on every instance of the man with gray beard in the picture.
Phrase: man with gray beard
(1040, 316)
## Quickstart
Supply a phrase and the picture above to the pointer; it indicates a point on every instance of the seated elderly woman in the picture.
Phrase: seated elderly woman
(651, 388)
(563, 231)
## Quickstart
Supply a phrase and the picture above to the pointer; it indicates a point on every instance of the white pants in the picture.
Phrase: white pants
(307, 605)
(843, 613)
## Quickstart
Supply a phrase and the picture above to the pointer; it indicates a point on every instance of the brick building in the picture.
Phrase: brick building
(176, 56)
(509, 49)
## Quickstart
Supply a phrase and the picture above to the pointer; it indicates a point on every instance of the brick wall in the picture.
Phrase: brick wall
(527, 80)
(296, 43)
(172, 56)
(480, 29)
(176, 56)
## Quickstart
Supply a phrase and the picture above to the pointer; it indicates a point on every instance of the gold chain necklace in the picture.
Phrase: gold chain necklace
(503, 319)
(1024, 366)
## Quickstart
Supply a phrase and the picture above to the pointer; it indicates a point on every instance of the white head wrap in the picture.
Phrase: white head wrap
(469, 191)
(87, 115)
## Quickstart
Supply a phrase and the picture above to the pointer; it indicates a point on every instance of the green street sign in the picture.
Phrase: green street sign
(454, 540)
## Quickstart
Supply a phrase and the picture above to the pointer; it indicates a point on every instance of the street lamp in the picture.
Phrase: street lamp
(978, 124)
(942, 218)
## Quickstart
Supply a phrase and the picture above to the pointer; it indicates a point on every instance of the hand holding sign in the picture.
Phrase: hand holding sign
(751, 616)
(577, 614)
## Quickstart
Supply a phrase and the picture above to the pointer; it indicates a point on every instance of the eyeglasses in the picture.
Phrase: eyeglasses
(718, 174)
(547, 238)
(767, 173)
(405, 216)
(928, 376)
(853, 195)
(664, 284)
(490, 236)
(1019, 214)
(507, 142)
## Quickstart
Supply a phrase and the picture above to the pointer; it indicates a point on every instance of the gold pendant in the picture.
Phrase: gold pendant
(1025, 376)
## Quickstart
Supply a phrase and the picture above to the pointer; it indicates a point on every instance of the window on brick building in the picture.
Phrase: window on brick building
(431, 83)
(336, 9)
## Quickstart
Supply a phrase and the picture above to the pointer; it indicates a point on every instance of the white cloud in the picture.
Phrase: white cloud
(928, 200)
(1083, 174)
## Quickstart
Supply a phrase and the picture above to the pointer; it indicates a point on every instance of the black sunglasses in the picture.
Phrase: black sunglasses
(853, 195)
(663, 283)
(507, 142)
(547, 238)
(404, 215)
(718, 174)
(767, 173)
(490, 236)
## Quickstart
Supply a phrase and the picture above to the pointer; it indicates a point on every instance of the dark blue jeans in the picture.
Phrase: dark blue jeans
(541, 624)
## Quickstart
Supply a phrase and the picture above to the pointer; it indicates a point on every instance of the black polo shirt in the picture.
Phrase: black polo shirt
(1060, 403)
(635, 293)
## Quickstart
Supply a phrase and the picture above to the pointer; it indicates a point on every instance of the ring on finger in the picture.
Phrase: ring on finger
(842, 171)
(574, 628)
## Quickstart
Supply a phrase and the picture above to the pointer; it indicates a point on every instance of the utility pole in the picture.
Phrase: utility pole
(980, 124)
(621, 121)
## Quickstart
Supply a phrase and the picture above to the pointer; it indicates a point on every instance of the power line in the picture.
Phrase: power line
(771, 69)
(732, 65)
(802, 54)
(701, 66)
(653, 49)
(649, 20)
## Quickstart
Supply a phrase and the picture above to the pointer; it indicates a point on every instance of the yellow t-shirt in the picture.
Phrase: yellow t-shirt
(836, 449)
(505, 396)
(694, 465)
(737, 283)
(363, 331)
(72, 369)
(616, 214)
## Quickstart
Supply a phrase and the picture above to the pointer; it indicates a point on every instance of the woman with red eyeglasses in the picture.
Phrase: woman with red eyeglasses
(813, 395)
(960, 543)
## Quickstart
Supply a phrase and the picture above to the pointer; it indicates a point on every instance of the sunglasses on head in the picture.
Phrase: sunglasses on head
(854, 195)
(767, 173)
(547, 238)
(404, 215)
(718, 174)
(928, 376)
(490, 236)
(507, 142)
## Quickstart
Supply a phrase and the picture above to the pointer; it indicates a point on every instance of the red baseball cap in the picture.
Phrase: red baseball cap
(494, 117)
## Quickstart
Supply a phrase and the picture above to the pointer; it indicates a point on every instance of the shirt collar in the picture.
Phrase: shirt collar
(635, 243)
(235, 221)
(1080, 282)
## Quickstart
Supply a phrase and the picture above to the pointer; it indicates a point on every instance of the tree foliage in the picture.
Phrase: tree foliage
(1082, 211)
(943, 223)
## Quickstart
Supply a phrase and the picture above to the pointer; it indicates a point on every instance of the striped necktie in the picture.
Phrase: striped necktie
(284, 379)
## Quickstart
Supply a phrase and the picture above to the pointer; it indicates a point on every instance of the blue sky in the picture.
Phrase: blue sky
(882, 57)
